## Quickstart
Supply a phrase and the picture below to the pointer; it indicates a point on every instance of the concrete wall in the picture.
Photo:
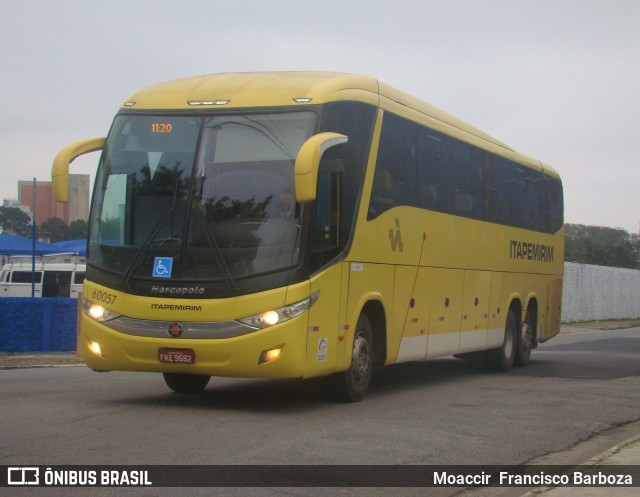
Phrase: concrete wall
(595, 293)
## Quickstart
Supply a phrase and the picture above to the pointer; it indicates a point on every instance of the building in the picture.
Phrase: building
(76, 208)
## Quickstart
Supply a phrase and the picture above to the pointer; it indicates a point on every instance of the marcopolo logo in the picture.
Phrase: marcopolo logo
(177, 290)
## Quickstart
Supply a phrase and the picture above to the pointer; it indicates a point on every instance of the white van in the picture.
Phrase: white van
(55, 276)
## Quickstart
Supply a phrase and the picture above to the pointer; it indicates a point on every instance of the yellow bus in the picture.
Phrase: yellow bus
(299, 224)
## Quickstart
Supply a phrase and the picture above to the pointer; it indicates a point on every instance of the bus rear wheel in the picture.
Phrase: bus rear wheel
(353, 384)
(526, 341)
(186, 383)
(502, 358)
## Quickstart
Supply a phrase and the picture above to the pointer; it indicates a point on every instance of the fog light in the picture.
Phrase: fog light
(270, 355)
(95, 348)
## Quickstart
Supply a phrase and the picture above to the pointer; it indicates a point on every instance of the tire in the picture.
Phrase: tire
(353, 384)
(501, 359)
(186, 383)
(525, 342)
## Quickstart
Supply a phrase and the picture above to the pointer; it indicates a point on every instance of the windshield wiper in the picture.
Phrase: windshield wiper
(258, 127)
(149, 239)
(262, 128)
(217, 251)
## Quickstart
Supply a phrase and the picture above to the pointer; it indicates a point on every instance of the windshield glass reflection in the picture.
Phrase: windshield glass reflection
(226, 211)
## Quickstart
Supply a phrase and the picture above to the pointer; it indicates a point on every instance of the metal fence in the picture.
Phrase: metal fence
(596, 293)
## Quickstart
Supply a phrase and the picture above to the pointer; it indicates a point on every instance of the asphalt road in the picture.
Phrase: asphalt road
(438, 412)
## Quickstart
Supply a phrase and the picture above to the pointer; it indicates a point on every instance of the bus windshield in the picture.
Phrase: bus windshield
(198, 197)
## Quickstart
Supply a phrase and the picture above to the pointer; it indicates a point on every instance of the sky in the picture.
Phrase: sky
(558, 80)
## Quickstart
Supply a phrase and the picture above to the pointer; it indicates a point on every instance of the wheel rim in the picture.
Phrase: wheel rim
(362, 361)
(508, 342)
(527, 337)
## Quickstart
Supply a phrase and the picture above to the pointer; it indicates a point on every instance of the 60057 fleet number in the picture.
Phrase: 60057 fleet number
(100, 296)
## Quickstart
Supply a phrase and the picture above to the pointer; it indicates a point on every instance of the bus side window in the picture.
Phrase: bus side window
(461, 165)
(435, 172)
(427, 191)
(556, 206)
(394, 181)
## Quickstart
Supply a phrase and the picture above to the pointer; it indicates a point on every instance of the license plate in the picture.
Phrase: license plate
(177, 356)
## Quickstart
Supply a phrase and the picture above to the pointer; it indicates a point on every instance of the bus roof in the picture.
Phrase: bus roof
(277, 89)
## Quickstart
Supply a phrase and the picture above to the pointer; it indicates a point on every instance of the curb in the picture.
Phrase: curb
(620, 451)
(616, 449)
(39, 366)
(16, 360)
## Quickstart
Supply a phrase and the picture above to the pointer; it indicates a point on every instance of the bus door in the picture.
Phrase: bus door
(325, 339)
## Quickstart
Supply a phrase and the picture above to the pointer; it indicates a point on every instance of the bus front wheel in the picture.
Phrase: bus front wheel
(353, 384)
(186, 383)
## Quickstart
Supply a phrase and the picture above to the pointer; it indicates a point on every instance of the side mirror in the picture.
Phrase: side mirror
(60, 168)
(308, 163)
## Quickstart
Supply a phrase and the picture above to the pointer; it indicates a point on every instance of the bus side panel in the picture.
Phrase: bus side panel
(342, 354)
(475, 310)
(512, 289)
(368, 282)
(411, 313)
(553, 310)
(495, 333)
(324, 319)
(535, 285)
(446, 310)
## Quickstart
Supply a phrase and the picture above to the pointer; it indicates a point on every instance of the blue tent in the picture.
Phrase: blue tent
(16, 245)
(75, 247)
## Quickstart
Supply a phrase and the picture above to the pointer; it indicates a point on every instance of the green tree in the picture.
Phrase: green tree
(54, 229)
(77, 230)
(15, 222)
(601, 246)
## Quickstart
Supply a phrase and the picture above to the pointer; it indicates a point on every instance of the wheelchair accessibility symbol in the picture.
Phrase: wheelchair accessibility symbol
(162, 267)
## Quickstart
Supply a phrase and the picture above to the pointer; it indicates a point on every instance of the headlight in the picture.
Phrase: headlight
(97, 312)
(275, 316)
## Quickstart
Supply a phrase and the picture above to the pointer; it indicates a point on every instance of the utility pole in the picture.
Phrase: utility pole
(33, 241)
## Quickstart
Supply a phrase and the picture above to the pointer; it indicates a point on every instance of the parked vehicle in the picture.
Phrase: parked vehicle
(54, 276)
